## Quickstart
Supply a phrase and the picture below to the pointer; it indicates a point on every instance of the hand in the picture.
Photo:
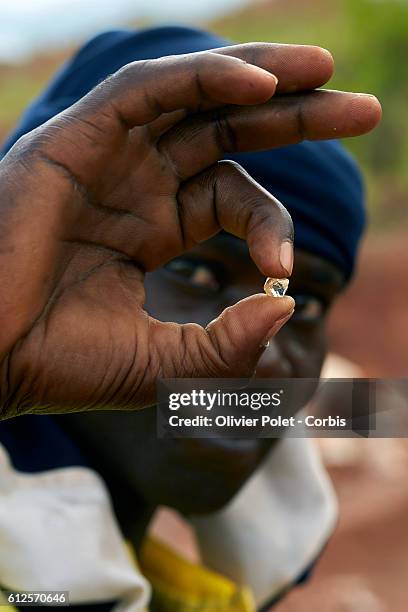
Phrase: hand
(127, 179)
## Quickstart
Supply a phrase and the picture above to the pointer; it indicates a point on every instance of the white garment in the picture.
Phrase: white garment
(58, 532)
(276, 526)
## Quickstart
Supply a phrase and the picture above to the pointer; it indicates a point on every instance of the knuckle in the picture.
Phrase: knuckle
(286, 220)
(132, 70)
(267, 212)
(228, 169)
(131, 74)
(27, 147)
(228, 336)
(300, 120)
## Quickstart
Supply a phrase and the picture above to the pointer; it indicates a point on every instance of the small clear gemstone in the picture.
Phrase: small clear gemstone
(276, 286)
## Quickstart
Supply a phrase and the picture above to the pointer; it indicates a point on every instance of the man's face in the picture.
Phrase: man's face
(218, 273)
(201, 475)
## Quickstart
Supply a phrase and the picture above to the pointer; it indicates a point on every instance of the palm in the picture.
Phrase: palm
(121, 183)
(96, 311)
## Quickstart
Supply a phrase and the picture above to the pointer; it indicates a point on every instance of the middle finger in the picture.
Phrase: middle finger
(200, 140)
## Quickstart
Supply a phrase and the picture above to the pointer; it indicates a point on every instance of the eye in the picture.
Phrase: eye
(309, 308)
(195, 274)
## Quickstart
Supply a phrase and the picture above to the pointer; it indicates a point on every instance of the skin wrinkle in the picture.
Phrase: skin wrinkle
(202, 94)
(179, 212)
(225, 135)
(5, 386)
(125, 377)
(169, 160)
(84, 194)
(300, 123)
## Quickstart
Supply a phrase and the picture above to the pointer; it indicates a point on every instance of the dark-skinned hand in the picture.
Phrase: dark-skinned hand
(129, 178)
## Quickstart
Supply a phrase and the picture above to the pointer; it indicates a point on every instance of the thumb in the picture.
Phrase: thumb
(239, 335)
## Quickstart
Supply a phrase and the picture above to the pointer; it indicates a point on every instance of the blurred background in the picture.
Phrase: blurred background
(365, 567)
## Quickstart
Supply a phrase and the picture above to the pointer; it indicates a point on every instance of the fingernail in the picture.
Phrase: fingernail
(258, 69)
(286, 256)
(276, 327)
(273, 77)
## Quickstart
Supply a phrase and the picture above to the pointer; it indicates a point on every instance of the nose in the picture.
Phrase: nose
(274, 363)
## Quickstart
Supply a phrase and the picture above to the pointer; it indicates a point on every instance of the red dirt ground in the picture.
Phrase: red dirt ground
(369, 324)
(365, 566)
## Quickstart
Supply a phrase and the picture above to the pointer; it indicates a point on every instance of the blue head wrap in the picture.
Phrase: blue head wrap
(318, 182)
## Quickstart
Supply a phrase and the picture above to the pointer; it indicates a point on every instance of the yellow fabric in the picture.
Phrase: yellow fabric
(182, 586)
(4, 605)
